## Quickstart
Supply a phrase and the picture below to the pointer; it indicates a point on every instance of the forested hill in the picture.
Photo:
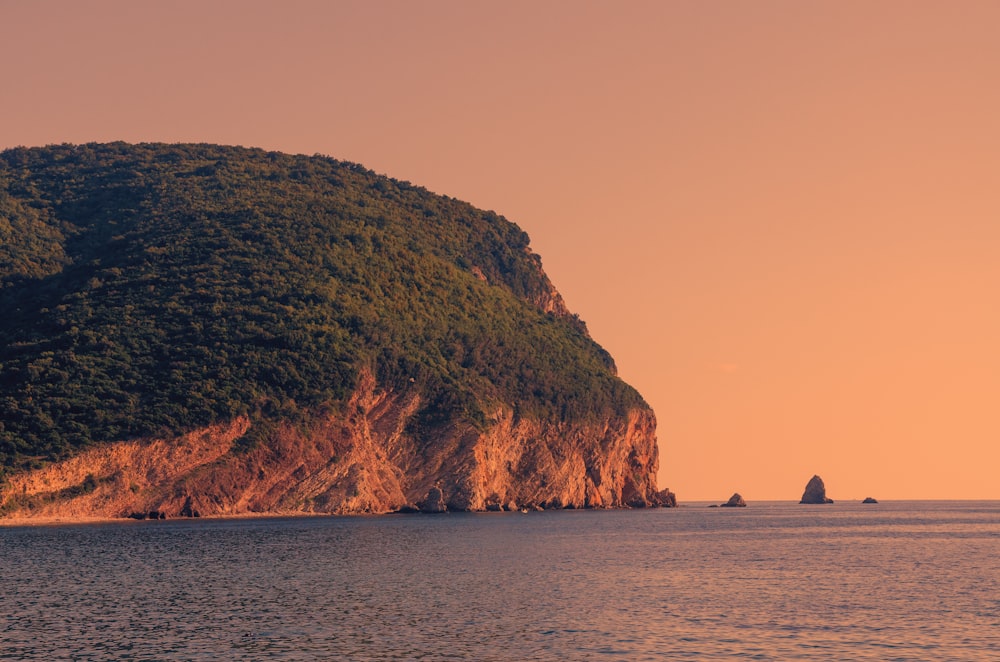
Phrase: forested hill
(148, 290)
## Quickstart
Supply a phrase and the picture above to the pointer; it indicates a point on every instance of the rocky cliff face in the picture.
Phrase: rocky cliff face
(363, 461)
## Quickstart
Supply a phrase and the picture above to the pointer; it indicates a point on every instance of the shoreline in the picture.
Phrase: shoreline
(69, 520)
(52, 520)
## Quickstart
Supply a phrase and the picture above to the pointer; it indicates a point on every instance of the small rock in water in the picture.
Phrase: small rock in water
(665, 498)
(815, 492)
(870, 500)
(735, 501)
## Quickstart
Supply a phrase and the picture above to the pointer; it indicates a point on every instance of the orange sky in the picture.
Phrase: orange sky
(781, 218)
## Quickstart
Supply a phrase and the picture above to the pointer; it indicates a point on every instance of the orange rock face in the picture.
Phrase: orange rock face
(361, 461)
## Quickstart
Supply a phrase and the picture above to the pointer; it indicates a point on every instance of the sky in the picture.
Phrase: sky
(782, 218)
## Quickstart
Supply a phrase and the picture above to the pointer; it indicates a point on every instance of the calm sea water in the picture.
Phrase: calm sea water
(893, 581)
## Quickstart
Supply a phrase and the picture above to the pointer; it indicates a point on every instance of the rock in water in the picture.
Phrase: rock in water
(735, 501)
(665, 498)
(815, 492)
(870, 500)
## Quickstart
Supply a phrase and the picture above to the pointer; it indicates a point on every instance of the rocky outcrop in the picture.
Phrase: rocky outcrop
(116, 480)
(665, 499)
(870, 500)
(434, 503)
(815, 492)
(735, 501)
(363, 461)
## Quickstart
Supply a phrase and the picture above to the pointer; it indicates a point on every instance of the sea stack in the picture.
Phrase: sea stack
(735, 501)
(815, 492)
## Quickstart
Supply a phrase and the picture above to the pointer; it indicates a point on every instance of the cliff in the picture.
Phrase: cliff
(197, 330)
(362, 463)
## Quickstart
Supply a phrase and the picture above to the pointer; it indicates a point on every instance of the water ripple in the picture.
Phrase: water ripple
(908, 581)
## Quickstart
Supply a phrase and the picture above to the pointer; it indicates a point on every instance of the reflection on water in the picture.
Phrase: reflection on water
(895, 581)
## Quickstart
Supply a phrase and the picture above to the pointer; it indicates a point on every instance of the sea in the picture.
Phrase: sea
(904, 580)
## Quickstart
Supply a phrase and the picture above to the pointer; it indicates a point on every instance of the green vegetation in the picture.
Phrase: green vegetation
(150, 289)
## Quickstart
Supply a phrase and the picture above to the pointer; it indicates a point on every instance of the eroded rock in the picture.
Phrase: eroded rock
(363, 462)
(815, 492)
(665, 498)
(434, 503)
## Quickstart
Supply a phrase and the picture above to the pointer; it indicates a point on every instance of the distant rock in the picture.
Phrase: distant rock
(870, 500)
(735, 501)
(815, 492)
